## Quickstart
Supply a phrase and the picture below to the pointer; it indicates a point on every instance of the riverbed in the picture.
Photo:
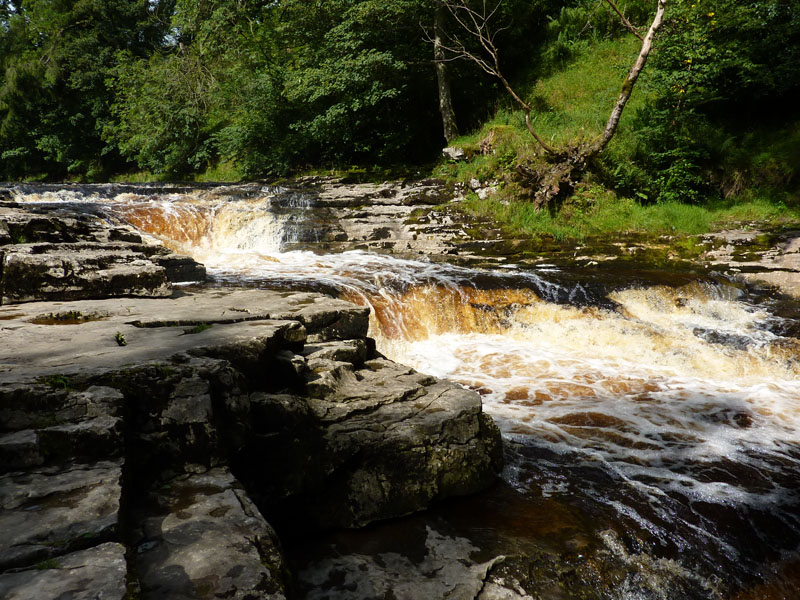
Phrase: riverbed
(651, 417)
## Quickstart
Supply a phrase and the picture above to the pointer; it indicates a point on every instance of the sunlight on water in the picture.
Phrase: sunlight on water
(680, 397)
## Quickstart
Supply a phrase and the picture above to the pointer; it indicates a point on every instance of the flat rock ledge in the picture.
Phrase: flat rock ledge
(54, 252)
(152, 447)
(756, 257)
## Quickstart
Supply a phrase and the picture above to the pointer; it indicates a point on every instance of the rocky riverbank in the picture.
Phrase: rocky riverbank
(151, 437)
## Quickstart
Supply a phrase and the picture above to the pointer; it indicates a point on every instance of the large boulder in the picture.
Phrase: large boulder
(369, 440)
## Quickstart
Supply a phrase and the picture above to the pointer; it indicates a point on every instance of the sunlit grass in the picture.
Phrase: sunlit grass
(220, 172)
(594, 211)
(571, 105)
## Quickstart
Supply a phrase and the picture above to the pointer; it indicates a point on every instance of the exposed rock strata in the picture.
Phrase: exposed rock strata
(758, 258)
(407, 218)
(57, 253)
(218, 398)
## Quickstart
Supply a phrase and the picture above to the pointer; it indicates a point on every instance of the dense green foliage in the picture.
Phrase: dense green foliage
(724, 69)
(55, 56)
(175, 88)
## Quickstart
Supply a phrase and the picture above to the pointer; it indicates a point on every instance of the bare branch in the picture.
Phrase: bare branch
(630, 81)
(625, 21)
(477, 25)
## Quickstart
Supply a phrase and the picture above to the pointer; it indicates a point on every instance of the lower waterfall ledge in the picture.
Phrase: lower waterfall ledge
(219, 406)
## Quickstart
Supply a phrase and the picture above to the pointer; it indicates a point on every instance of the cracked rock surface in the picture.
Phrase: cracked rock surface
(224, 413)
(98, 572)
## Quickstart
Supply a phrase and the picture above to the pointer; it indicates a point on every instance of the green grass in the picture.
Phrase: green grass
(221, 172)
(199, 328)
(137, 177)
(569, 106)
(595, 211)
(224, 172)
(57, 381)
(572, 105)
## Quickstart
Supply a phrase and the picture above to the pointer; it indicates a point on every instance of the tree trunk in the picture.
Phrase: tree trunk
(627, 87)
(442, 78)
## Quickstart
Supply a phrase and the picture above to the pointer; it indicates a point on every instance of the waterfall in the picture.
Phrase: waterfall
(672, 410)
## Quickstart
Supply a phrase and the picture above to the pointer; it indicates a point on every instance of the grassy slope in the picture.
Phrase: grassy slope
(573, 103)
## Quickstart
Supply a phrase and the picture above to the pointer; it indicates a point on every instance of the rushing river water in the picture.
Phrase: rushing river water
(652, 429)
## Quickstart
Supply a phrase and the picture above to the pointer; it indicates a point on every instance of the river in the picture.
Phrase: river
(651, 427)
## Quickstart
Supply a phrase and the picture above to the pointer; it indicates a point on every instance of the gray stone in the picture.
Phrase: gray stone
(96, 573)
(180, 268)
(39, 273)
(79, 352)
(206, 539)
(444, 570)
(39, 405)
(454, 153)
(350, 351)
(47, 513)
(98, 438)
(366, 443)
(55, 252)
(744, 256)
(415, 444)
(20, 450)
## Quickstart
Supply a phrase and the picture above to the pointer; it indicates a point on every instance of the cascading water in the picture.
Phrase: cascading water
(668, 414)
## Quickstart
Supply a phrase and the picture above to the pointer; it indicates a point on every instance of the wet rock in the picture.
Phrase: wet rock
(757, 258)
(396, 217)
(204, 538)
(49, 512)
(444, 571)
(613, 567)
(99, 572)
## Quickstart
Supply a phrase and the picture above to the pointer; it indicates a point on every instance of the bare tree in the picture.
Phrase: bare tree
(475, 22)
(442, 76)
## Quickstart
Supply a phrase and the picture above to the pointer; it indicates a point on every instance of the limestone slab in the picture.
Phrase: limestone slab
(204, 538)
(96, 573)
(49, 512)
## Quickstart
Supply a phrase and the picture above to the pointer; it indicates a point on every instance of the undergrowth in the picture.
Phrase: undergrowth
(753, 176)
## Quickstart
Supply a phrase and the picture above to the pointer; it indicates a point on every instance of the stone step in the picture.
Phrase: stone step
(84, 441)
(99, 572)
(200, 536)
(52, 511)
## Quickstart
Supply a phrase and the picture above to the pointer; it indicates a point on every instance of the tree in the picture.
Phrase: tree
(563, 166)
(442, 75)
(358, 76)
(726, 71)
(54, 61)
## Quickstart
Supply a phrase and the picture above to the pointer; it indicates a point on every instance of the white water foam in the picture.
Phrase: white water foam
(676, 393)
